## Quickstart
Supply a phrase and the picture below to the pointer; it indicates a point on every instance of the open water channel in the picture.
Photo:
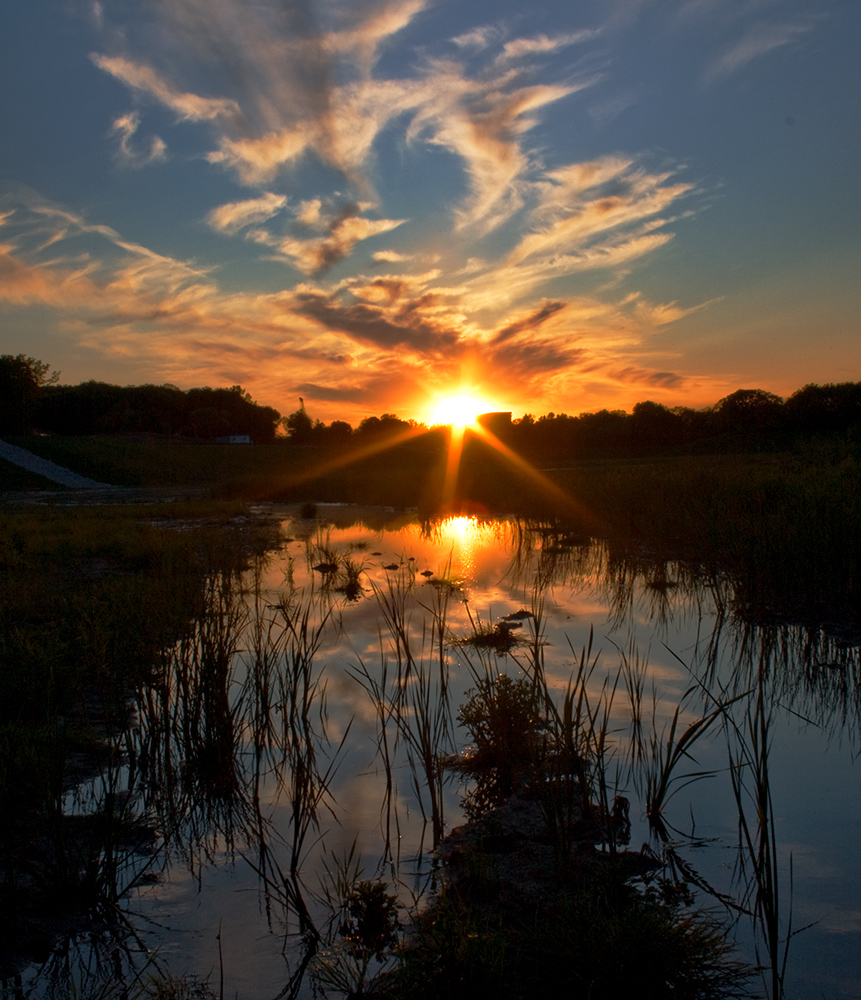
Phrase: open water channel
(263, 766)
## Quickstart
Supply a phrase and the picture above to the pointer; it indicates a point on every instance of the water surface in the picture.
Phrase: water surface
(261, 761)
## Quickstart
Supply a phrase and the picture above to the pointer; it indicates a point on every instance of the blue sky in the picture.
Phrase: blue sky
(552, 206)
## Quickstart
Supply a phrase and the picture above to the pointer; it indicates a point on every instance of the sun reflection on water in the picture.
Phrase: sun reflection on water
(466, 536)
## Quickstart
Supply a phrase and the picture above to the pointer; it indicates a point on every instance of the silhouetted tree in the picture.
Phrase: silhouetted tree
(339, 432)
(21, 381)
(655, 426)
(209, 422)
(604, 432)
(552, 436)
(239, 414)
(824, 408)
(100, 408)
(388, 425)
(694, 424)
(749, 410)
(299, 426)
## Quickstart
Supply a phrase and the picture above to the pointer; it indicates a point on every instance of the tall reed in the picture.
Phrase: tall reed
(411, 691)
(758, 864)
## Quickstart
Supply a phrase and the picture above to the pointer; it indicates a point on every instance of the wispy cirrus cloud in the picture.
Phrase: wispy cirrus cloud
(237, 215)
(323, 237)
(758, 40)
(294, 88)
(144, 79)
(482, 123)
(603, 214)
(576, 204)
(258, 160)
(127, 154)
(391, 257)
(480, 38)
(518, 48)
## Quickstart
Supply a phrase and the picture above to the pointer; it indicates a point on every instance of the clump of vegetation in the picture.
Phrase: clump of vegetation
(500, 637)
(606, 939)
(512, 920)
(504, 719)
(164, 986)
(362, 955)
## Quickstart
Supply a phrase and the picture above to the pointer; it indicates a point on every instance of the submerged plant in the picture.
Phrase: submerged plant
(504, 719)
(358, 949)
(501, 637)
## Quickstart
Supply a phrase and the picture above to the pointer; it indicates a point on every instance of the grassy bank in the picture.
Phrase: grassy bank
(786, 526)
(89, 598)
(403, 476)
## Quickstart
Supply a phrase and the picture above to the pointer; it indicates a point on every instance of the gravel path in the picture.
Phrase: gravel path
(42, 467)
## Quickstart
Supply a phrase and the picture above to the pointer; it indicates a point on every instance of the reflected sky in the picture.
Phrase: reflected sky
(658, 623)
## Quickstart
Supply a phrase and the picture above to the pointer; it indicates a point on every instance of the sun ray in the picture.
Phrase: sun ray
(333, 462)
(567, 502)
(452, 467)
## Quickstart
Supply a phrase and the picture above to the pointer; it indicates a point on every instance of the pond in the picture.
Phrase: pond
(293, 740)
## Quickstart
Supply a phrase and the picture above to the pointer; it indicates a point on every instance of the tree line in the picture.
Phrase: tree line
(747, 418)
(31, 399)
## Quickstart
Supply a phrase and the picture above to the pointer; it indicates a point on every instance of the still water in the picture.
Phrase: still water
(269, 761)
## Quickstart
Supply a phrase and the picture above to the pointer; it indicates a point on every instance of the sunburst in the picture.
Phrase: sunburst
(457, 411)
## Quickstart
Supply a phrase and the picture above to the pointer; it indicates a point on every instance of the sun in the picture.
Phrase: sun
(459, 411)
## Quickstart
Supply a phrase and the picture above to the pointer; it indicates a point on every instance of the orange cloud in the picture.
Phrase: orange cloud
(341, 231)
(237, 215)
(146, 80)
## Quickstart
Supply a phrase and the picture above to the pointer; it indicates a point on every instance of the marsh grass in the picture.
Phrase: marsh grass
(410, 692)
(499, 637)
(358, 948)
(89, 603)
(590, 928)
(784, 527)
(666, 752)
(758, 862)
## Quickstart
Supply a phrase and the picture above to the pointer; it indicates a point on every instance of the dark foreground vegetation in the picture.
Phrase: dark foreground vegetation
(527, 905)
(89, 601)
(119, 630)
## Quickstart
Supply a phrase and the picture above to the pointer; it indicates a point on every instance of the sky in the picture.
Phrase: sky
(373, 204)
